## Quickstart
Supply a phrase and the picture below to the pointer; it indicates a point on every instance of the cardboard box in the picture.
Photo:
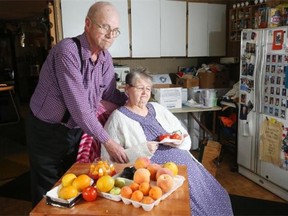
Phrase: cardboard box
(206, 80)
(222, 79)
(187, 82)
(210, 156)
(168, 95)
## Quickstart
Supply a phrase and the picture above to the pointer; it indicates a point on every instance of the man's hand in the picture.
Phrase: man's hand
(116, 151)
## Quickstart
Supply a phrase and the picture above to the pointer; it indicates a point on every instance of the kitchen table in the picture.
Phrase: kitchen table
(175, 204)
(192, 110)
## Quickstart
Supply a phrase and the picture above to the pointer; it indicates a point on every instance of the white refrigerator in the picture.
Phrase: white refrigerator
(262, 154)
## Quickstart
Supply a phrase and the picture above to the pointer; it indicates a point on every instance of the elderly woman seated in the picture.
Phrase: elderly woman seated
(137, 126)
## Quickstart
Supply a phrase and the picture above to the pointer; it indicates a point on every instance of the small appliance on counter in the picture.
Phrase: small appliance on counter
(120, 73)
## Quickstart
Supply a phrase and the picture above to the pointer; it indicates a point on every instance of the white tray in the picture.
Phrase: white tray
(178, 181)
(53, 199)
(171, 141)
(113, 197)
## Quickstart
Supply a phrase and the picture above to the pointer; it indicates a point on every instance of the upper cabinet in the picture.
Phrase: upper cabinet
(217, 29)
(73, 16)
(206, 29)
(158, 28)
(145, 28)
(173, 28)
(73, 21)
(197, 29)
(120, 47)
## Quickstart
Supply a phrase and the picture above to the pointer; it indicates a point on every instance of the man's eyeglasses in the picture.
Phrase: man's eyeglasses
(106, 29)
(142, 88)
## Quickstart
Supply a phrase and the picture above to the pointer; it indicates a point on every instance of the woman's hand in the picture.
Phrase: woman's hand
(152, 146)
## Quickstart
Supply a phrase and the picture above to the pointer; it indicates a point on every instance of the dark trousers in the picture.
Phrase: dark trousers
(52, 149)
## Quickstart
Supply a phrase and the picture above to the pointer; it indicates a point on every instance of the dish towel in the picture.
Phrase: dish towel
(89, 148)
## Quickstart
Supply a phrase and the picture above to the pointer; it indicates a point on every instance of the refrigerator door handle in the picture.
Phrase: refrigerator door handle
(262, 60)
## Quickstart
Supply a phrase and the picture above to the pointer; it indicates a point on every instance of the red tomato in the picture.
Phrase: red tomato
(175, 136)
(164, 136)
(89, 194)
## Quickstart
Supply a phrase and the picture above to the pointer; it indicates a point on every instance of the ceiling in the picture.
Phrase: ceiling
(14, 10)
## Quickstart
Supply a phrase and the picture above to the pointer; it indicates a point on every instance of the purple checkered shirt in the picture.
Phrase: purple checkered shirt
(61, 85)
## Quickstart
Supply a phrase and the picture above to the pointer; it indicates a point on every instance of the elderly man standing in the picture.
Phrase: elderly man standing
(76, 76)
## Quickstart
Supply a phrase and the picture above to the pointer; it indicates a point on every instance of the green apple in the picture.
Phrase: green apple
(115, 191)
(119, 182)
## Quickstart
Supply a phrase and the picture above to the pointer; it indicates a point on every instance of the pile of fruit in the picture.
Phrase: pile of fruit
(141, 189)
(72, 185)
(175, 135)
(148, 181)
(101, 168)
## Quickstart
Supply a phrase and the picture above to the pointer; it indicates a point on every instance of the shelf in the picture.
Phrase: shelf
(251, 16)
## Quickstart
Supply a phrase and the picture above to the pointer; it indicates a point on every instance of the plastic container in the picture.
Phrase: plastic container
(178, 181)
(113, 197)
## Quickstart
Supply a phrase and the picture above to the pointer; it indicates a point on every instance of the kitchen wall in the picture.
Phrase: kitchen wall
(158, 65)
(23, 57)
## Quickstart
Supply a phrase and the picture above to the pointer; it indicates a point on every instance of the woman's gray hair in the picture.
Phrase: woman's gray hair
(138, 73)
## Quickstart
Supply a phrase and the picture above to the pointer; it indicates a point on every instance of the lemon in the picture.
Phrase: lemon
(172, 166)
(67, 179)
(105, 183)
(67, 192)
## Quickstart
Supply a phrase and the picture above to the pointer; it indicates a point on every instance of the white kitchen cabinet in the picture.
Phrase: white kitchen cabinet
(173, 28)
(206, 29)
(145, 28)
(197, 29)
(73, 16)
(217, 29)
(121, 45)
(158, 28)
(73, 21)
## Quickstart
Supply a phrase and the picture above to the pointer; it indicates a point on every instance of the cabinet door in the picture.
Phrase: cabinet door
(217, 29)
(73, 16)
(120, 47)
(73, 21)
(145, 22)
(173, 28)
(197, 29)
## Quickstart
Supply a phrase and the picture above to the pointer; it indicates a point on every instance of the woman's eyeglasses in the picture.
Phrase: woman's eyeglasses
(142, 88)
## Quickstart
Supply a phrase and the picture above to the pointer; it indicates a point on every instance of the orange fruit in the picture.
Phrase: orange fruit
(141, 175)
(171, 166)
(105, 183)
(147, 200)
(81, 182)
(126, 192)
(144, 187)
(155, 192)
(134, 186)
(137, 196)
(142, 162)
(68, 192)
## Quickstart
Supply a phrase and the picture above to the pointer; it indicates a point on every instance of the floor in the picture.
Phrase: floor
(14, 162)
